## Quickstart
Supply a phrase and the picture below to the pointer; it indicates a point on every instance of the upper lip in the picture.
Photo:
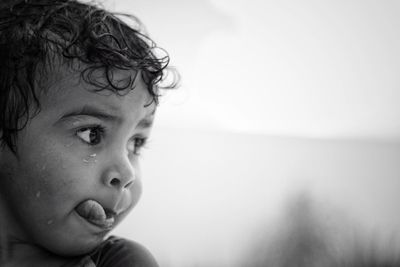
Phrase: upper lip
(118, 205)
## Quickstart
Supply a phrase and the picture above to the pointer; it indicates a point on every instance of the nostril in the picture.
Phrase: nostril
(115, 182)
(128, 184)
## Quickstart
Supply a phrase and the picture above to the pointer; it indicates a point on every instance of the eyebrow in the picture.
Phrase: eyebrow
(93, 111)
(145, 123)
(100, 113)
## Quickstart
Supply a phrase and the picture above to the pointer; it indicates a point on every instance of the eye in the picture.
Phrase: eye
(134, 146)
(91, 135)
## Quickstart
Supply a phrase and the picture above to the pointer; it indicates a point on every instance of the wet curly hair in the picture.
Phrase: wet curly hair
(34, 34)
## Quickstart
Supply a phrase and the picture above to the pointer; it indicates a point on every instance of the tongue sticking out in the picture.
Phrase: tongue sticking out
(93, 212)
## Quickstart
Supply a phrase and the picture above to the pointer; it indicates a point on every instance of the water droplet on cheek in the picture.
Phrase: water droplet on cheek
(38, 194)
(44, 167)
(49, 222)
(69, 144)
(91, 159)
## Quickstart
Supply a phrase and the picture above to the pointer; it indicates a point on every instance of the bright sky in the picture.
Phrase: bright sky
(308, 68)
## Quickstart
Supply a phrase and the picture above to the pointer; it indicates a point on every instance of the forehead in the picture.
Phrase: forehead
(65, 89)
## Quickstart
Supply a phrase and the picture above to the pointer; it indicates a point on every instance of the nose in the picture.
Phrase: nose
(120, 173)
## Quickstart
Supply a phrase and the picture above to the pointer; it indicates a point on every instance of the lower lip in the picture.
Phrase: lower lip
(93, 224)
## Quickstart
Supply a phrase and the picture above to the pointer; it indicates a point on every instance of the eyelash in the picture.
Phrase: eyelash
(138, 142)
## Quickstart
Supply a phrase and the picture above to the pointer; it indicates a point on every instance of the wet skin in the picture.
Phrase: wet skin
(82, 146)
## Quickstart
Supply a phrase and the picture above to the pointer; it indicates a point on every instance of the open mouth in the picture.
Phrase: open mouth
(93, 212)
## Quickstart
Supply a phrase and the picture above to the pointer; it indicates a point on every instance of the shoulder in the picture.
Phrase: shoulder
(122, 252)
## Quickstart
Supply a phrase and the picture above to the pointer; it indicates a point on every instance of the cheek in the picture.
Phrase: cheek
(137, 187)
(133, 198)
(136, 192)
(40, 190)
(56, 176)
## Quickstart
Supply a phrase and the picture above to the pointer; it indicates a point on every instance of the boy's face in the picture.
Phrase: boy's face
(77, 172)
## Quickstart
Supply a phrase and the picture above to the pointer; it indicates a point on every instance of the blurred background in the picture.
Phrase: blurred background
(282, 146)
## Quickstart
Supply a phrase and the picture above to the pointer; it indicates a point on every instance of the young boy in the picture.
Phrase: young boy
(78, 95)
